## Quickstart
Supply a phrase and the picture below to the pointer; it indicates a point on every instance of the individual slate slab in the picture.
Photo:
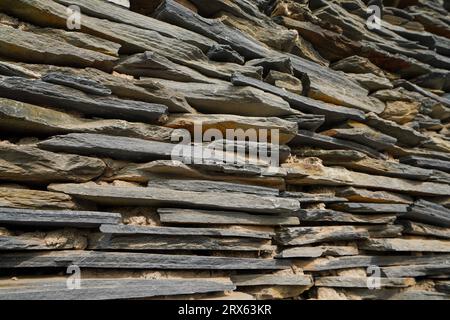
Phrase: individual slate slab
(10, 243)
(168, 243)
(177, 231)
(18, 243)
(271, 280)
(14, 70)
(27, 46)
(224, 53)
(102, 10)
(57, 218)
(315, 140)
(317, 174)
(224, 98)
(364, 136)
(406, 245)
(107, 289)
(125, 260)
(49, 94)
(327, 215)
(22, 163)
(362, 282)
(364, 195)
(19, 117)
(125, 87)
(211, 186)
(443, 286)
(422, 229)
(427, 163)
(176, 14)
(235, 173)
(325, 264)
(310, 122)
(309, 235)
(158, 197)
(332, 113)
(13, 197)
(186, 216)
(355, 207)
(378, 167)
(153, 65)
(305, 197)
(429, 212)
(319, 251)
(287, 128)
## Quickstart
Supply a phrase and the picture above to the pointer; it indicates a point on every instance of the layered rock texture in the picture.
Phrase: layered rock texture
(96, 95)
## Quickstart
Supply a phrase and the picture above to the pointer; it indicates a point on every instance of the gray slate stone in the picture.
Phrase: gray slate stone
(44, 93)
(157, 197)
(125, 260)
(109, 289)
(57, 218)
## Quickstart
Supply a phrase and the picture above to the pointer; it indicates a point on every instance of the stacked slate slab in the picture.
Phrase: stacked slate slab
(122, 172)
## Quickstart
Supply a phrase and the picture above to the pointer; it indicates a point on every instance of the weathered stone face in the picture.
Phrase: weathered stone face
(217, 149)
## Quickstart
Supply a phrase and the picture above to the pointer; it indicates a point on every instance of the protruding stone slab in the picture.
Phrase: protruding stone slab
(37, 48)
(324, 264)
(427, 163)
(425, 270)
(184, 231)
(272, 280)
(185, 216)
(144, 242)
(29, 164)
(107, 289)
(19, 117)
(163, 197)
(287, 129)
(44, 93)
(224, 53)
(308, 235)
(364, 136)
(57, 218)
(79, 83)
(361, 282)
(406, 245)
(154, 65)
(224, 98)
(422, 229)
(14, 197)
(333, 113)
(371, 207)
(364, 195)
(312, 139)
(312, 172)
(211, 186)
(326, 215)
(305, 197)
(404, 135)
(122, 148)
(429, 212)
(124, 260)
(319, 251)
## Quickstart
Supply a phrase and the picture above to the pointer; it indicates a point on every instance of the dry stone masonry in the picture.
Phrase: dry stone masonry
(356, 120)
